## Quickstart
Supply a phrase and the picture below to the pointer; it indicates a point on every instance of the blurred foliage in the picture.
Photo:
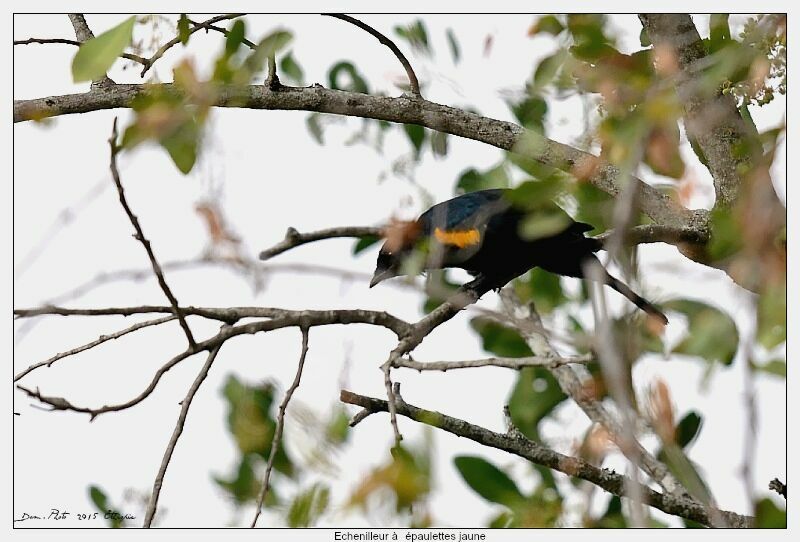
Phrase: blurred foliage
(542, 508)
(632, 115)
(110, 513)
(95, 56)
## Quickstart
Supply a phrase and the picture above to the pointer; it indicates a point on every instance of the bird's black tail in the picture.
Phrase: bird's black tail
(638, 300)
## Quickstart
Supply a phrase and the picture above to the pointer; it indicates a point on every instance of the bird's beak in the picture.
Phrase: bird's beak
(381, 275)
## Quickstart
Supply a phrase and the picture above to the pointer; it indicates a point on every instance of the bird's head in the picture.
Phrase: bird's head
(401, 242)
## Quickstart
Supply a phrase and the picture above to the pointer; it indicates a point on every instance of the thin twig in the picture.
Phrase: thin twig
(278, 319)
(142, 239)
(148, 62)
(294, 238)
(128, 56)
(276, 439)
(176, 433)
(536, 453)
(413, 83)
(508, 363)
(208, 26)
(103, 338)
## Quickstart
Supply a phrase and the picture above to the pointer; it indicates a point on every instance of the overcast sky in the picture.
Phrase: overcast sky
(267, 173)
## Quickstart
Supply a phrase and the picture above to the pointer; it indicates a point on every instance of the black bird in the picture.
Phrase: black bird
(479, 232)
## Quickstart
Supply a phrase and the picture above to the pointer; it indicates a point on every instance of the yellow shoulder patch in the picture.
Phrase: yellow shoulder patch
(458, 238)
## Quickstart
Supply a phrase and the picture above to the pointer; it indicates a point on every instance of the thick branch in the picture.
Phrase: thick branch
(517, 444)
(501, 134)
(176, 433)
(142, 239)
(295, 238)
(413, 83)
(712, 118)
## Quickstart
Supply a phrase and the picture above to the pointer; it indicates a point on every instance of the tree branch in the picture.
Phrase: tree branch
(176, 433)
(712, 118)
(536, 453)
(294, 238)
(129, 56)
(276, 438)
(508, 363)
(148, 62)
(413, 83)
(142, 239)
(83, 33)
(501, 134)
(100, 340)
(778, 487)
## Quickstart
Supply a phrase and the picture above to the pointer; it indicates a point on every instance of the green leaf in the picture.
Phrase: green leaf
(181, 145)
(644, 38)
(772, 315)
(543, 288)
(776, 367)
(727, 235)
(769, 516)
(455, 50)
(291, 69)
(688, 428)
(535, 395)
(439, 144)
(183, 29)
(471, 179)
(356, 82)
(547, 24)
(416, 135)
(98, 497)
(308, 506)
(235, 37)
(488, 481)
(96, 56)
(543, 223)
(499, 339)
(315, 128)
(547, 70)
(712, 334)
(416, 35)
(364, 243)
(530, 112)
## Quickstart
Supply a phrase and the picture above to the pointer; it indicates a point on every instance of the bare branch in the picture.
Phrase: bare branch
(413, 83)
(276, 438)
(659, 233)
(209, 26)
(100, 340)
(176, 433)
(508, 363)
(540, 455)
(501, 134)
(129, 56)
(142, 239)
(231, 315)
(294, 238)
(148, 62)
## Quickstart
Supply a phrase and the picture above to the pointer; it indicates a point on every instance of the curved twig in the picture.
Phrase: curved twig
(507, 363)
(98, 341)
(129, 56)
(112, 141)
(413, 83)
(295, 238)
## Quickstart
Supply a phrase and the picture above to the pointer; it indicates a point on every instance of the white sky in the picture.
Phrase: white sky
(272, 175)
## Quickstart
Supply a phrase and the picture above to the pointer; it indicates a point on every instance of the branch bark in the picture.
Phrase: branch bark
(517, 444)
(711, 118)
(501, 134)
